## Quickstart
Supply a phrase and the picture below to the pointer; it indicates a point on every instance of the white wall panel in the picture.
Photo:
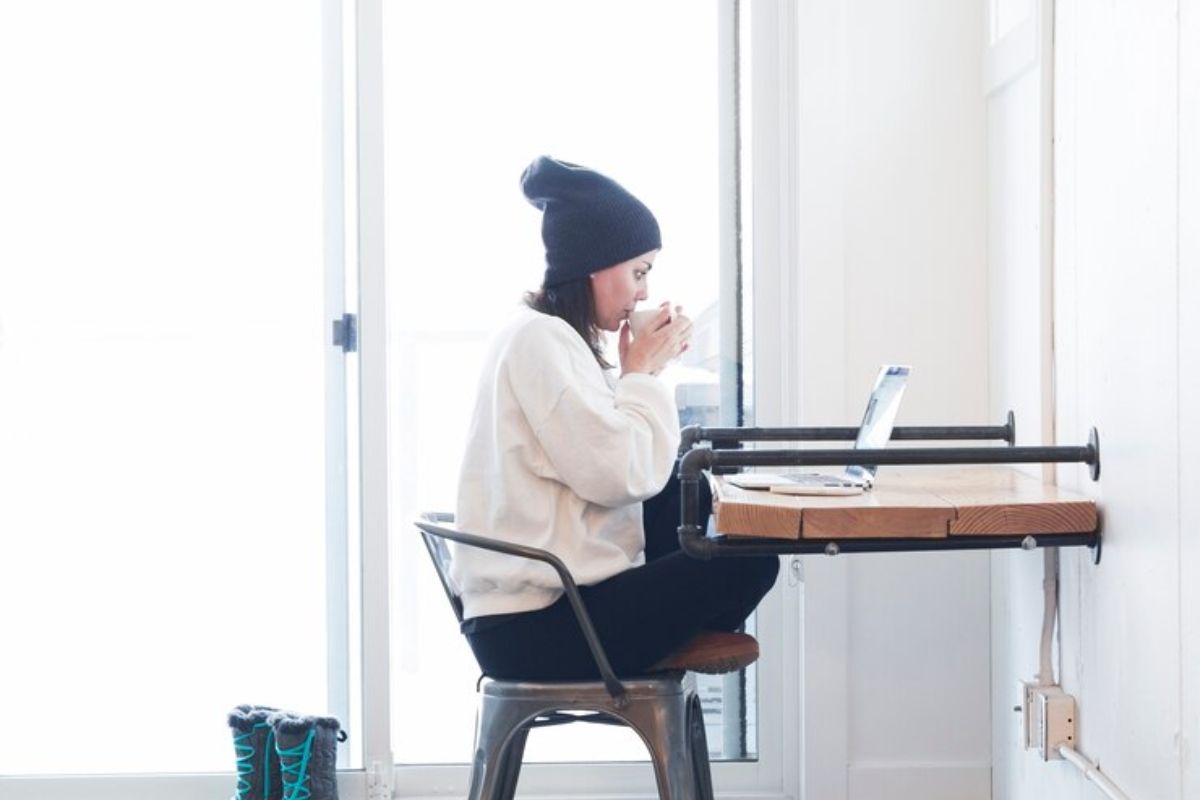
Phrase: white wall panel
(915, 292)
(1189, 389)
(1014, 257)
(1126, 270)
(891, 240)
(915, 213)
(919, 661)
(821, 214)
(1126, 335)
(1121, 364)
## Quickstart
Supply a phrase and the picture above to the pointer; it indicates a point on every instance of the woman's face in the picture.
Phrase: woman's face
(616, 291)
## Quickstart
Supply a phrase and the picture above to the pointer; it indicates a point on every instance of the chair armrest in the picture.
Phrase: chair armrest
(428, 524)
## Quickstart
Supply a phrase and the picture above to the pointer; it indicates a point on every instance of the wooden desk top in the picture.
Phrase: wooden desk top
(921, 502)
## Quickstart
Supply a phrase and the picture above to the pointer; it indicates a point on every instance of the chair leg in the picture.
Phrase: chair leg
(510, 766)
(663, 726)
(698, 740)
(500, 733)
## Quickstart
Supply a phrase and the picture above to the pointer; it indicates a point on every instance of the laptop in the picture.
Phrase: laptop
(873, 434)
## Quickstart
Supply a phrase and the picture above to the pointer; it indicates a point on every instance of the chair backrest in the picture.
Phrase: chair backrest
(436, 528)
(439, 551)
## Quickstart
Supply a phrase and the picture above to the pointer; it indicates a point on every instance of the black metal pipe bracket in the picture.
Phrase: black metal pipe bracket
(885, 544)
(697, 459)
(723, 438)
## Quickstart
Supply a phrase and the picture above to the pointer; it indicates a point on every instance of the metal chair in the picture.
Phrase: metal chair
(658, 707)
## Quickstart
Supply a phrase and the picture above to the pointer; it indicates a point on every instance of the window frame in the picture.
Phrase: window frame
(771, 102)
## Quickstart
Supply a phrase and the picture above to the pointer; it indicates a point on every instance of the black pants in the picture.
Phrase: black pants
(641, 615)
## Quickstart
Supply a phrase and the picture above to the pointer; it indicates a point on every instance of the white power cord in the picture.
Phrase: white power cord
(1049, 615)
(1092, 772)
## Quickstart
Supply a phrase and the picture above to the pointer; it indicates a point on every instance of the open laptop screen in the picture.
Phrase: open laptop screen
(880, 417)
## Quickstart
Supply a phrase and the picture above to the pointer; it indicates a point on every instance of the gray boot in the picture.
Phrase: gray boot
(258, 775)
(307, 748)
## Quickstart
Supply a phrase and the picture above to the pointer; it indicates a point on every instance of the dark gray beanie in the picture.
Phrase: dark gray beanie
(589, 221)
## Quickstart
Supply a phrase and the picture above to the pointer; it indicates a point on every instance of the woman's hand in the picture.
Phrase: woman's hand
(662, 339)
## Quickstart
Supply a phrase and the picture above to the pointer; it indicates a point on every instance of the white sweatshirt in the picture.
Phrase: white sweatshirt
(559, 456)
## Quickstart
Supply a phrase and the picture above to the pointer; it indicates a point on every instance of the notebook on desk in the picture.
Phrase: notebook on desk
(873, 434)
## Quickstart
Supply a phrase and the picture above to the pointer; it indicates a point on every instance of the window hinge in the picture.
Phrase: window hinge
(345, 333)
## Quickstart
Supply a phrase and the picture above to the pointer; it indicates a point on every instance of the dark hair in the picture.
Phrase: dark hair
(573, 303)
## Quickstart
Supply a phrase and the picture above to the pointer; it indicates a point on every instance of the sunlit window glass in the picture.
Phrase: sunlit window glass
(162, 422)
(473, 92)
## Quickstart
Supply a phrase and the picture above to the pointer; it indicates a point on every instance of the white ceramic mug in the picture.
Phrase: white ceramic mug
(639, 319)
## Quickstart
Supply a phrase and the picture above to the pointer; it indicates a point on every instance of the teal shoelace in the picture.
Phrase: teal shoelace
(293, 763)
(243, 748)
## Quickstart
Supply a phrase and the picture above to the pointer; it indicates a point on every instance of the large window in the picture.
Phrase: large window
(196, 498)
(163, 345)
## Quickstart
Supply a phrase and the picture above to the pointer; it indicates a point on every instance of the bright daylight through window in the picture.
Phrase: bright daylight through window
(162, 348)
(473, 91)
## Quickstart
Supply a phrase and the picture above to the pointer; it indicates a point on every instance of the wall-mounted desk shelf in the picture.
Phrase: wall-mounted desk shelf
(928, 505)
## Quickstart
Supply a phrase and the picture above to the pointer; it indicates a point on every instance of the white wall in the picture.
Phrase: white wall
(891, 228)
(1126, 342)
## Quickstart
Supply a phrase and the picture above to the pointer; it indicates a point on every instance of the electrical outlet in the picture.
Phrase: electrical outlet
(1049, 719)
